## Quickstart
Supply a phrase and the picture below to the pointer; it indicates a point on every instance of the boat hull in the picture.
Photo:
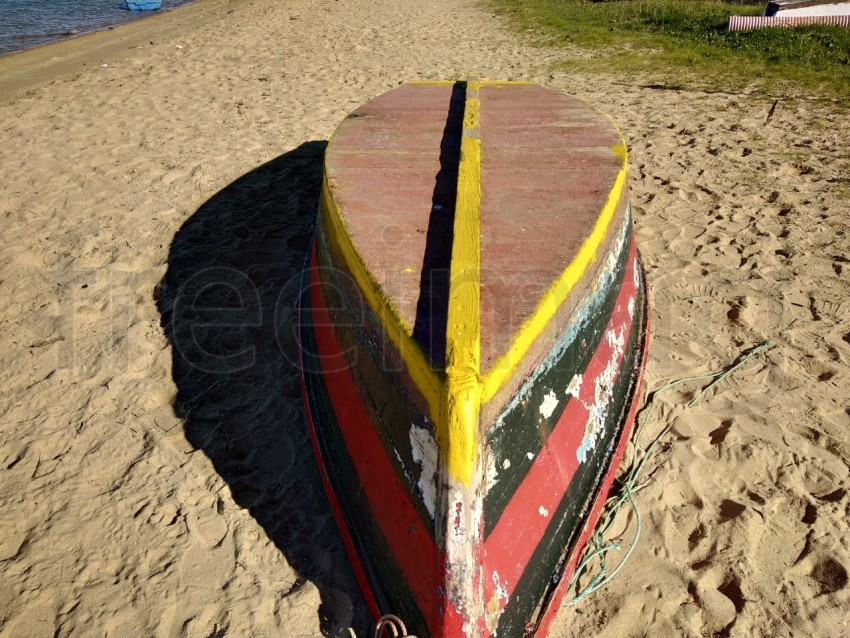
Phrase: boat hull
(492, 555)
(143, 5)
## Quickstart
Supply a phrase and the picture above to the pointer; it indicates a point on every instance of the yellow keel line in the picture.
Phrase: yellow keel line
(458, 437)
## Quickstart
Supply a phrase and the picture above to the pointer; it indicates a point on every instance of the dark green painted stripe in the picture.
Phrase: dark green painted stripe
(386, 579)
(522, 429)
(550, 556)
(377, 377)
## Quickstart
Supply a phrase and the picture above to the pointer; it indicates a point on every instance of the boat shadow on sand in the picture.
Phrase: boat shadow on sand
(227, 303)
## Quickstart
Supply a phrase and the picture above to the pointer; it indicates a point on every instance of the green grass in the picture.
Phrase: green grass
(687, 42)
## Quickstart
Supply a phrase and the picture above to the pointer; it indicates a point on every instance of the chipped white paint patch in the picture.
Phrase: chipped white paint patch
(530, 456)
(492, 472)
(462, 527)
(407, 473)
(424, 450)
(616, 340)
(575, 385)
(550, 402)
(611, 261)
(602, 393)
(631, 307)
(501, 590)
(543, 512)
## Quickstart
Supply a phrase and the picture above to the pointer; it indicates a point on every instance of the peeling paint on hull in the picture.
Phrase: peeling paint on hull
(481, 544)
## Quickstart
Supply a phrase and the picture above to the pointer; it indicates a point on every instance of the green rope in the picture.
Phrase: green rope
(597, 546)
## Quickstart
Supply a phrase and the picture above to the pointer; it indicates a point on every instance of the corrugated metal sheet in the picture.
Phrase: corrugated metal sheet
(747, 23)
(787, 8)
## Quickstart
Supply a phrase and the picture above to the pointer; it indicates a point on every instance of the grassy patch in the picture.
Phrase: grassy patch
(688, 41)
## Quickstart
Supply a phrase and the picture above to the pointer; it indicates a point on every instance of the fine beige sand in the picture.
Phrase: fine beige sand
(143, 496)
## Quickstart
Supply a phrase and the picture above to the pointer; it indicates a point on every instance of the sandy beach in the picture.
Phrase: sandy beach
(144, 493)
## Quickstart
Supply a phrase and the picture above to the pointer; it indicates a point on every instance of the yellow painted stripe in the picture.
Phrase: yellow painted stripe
(480, 82)
(458, 441)
(432, 82)
(429, 383)
(454, 404)
(558, 291)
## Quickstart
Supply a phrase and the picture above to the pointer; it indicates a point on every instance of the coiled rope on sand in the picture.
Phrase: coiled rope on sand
(627, 485)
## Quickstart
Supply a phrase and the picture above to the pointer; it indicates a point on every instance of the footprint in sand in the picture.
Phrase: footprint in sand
(830, 575)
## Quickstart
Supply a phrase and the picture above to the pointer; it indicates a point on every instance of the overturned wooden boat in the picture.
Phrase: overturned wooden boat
(473, 327)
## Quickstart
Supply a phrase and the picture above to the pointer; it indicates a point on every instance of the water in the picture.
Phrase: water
(29, 23)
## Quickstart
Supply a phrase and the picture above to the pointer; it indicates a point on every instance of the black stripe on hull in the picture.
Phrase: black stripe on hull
(552, 553)
(387, 582)
(387, 401)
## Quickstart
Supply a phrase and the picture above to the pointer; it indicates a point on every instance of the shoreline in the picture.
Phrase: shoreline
(32, 67)
(52, 38)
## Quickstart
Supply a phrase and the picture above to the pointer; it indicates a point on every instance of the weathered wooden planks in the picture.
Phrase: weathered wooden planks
(471, 353)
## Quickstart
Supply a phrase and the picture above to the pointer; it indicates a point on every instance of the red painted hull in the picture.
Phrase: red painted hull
(490, 554)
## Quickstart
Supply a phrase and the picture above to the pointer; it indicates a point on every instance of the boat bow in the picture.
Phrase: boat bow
(473, 327)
